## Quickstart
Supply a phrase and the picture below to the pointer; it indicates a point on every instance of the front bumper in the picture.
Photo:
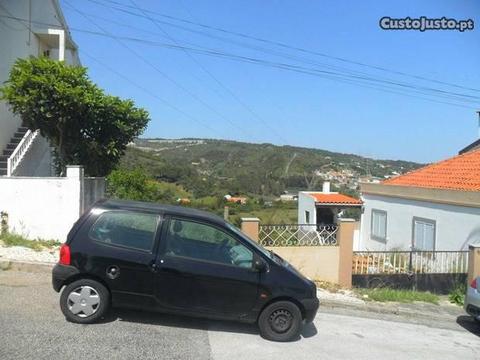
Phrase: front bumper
(60, 274)
(311, 307)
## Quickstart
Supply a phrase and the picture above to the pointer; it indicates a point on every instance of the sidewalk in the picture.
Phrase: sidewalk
(419, 311)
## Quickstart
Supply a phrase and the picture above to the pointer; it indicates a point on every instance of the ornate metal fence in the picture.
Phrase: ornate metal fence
(298, 235)
(409, 262)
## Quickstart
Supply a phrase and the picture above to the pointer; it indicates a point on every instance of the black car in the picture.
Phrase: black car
(177, 260)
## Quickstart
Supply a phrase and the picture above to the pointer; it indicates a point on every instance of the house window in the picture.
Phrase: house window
(423, 234)
(379, 225)
(307, 217)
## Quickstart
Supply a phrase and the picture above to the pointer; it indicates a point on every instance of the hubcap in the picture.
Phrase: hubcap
(280, 320)
(83, 301)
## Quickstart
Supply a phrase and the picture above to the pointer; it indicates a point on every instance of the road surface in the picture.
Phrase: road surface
(32, 326)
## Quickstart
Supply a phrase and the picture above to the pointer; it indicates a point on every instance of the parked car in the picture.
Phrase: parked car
(178, 260)
(472, 299)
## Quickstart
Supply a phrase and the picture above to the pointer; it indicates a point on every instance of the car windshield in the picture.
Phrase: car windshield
(250, 241)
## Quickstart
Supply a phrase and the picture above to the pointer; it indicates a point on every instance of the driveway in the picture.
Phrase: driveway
(31, 326)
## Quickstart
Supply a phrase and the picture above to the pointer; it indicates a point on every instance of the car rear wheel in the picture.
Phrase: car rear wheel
(280, 321)
(84, 301)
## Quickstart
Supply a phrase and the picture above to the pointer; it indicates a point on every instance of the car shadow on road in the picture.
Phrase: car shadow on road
(468, 323)
(153, 318)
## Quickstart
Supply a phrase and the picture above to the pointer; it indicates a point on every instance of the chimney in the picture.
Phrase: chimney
(326, 187)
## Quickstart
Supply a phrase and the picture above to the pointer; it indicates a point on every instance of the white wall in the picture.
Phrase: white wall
(46, 208)
(456, 226)
(306, 203)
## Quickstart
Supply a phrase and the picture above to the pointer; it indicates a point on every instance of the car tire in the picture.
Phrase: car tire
(280, 321)
(84, 301)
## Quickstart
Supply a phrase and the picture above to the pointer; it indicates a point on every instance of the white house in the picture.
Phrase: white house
(34, 203)
(436, 207)
(323, 207)
(29, 28)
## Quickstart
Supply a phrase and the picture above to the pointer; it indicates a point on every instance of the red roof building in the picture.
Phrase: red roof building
(323, 207)
(436, 207)
(461, 172)
(334, 199)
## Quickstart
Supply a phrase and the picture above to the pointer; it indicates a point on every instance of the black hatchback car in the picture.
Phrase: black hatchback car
(178, 260)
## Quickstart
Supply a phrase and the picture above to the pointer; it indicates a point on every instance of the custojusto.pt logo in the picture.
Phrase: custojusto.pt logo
(424, 23)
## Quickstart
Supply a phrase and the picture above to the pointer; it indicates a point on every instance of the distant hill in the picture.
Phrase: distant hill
(214, 167)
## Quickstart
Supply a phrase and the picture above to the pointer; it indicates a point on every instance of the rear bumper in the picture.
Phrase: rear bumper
(311, 307)
(60, 274)
(472, 302)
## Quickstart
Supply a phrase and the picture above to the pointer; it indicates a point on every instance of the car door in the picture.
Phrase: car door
(205, 268)
(121, 252)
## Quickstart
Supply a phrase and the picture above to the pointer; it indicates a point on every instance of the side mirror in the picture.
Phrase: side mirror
(259, 265)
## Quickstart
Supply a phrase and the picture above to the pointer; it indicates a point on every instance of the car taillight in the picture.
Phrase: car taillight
(64, 255)
(473, 284)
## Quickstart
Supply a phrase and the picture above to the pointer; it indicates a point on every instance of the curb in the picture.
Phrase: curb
(37, 267)
(394, 309)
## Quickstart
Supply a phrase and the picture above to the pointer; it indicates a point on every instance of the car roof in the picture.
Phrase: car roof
(158, 208)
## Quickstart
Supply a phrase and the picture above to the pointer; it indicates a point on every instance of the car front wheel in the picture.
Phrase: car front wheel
(84, 301)
(280, 321)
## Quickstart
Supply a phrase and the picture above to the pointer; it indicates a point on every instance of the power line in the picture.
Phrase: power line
(153, 66)
(359, 81)
(212, 76)
(296, 48)
(144, 89)
(359, 76)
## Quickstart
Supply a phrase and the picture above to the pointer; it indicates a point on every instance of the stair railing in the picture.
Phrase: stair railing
(16, 157)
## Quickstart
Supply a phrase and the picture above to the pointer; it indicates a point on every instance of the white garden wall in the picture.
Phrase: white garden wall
(47, 207)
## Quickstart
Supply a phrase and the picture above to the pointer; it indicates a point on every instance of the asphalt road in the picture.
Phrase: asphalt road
(32, 326)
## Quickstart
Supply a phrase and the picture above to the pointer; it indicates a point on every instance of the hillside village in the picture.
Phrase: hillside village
(295, 168)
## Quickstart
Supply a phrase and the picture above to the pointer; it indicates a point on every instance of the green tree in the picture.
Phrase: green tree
(86, 126)
(132, 185)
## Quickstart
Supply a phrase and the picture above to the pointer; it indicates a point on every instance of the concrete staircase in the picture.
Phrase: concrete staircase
(11, 146)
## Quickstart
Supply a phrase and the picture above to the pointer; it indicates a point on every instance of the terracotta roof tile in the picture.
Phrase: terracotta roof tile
(334, 199)
(461, 172)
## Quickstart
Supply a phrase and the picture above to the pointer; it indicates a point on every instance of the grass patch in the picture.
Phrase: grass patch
(403, 296)
(457, 296)
(10, 239)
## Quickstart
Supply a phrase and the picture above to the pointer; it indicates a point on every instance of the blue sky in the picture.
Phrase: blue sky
(285, 107)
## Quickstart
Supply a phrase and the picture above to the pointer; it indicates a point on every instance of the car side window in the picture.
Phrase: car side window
(125, 229)
(206, 242)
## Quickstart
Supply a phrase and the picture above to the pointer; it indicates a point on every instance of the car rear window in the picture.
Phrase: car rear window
(125, 229)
